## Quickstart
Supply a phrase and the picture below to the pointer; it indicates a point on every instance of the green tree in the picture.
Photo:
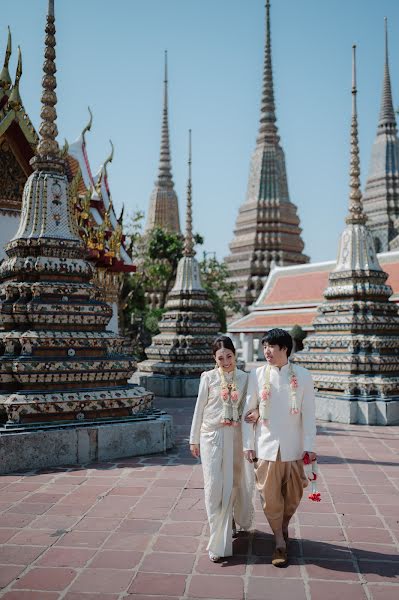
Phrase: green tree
(221, 292)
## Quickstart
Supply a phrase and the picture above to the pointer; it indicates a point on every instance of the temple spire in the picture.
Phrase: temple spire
(356, 214)
(48, 149)
(267, 128)
(15, 99)
(5, 79)
(164, 172)
(387, 114)
(189, 242)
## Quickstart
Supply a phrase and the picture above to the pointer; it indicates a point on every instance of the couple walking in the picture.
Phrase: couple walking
(262, 423)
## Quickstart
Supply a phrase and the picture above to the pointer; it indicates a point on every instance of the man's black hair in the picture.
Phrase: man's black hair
(278, 337)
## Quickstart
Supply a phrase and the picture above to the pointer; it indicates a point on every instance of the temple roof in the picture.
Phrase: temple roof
(292, 295)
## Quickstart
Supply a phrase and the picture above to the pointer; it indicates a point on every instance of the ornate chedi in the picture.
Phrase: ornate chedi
(267, 228)
(353, 353)
(57, 360)
(182, 349)
(381, 196)
(164, 209)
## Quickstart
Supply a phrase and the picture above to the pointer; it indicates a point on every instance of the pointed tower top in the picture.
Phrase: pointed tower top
(189, 242)
(267, 128)
(48, 151)
(165, 172)
(355, 214)
(5, 79)
(387, 114)
(15, 99)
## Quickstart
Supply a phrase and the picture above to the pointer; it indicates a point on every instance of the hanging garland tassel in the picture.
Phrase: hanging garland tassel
(230, 396)
(264, 404)
(311, 472)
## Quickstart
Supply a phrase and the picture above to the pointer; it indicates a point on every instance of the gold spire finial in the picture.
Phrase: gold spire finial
(88, 126)
(5, 79)
(356, 214)
(15, 99)
(189, 242)
(48, 150)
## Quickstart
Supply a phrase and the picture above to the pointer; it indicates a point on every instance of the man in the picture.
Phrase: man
(278, 429)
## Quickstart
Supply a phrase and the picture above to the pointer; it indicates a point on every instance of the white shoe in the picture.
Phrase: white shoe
(213, 557)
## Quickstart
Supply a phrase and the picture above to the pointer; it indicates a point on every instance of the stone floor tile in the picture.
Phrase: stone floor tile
(69, 510)
(315, 549)
(322, 519)
(104, 581)
(83, 539)
(369, 534)
(158, 584)
(375, 552)
(66, 557)
(140, 526)
(353, 508)
(7, 533)
(53, 522)
(361, 521)
(127, 491)
(331, 569)
(188, 515)
(8, 573)
(216, 586)
(273, 588)
(30, 595)
(264, 568)
(333, 590)
(190, 528)
(172, 543)
(149, 512)
(380, 571)
(16, 520)
(15, 555)
(116, 559)
(31, 508)
(92, 524)
(35, 537)
(168, 562)
(88, 596)
(324, 534)
(231, 565)
(384, 592)
(42, 578)
(127, 541)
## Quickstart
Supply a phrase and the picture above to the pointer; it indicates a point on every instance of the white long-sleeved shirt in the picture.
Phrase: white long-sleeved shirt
(208, 411)
(292, 434)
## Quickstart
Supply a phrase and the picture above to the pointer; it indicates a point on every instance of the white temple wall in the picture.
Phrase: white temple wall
(113, 324)
(8, 227)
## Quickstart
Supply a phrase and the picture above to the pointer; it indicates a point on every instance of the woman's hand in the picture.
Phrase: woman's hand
(252, 416)
(195, 450)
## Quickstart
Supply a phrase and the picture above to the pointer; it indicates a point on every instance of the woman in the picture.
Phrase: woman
(216, 436)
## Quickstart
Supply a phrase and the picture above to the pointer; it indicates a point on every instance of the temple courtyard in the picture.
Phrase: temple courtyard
(136, 528)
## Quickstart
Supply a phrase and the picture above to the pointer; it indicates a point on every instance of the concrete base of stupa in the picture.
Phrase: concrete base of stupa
(24, 448)
(352, 410)
(169, 386)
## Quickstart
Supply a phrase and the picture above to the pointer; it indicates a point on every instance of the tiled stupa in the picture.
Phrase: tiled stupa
(353, 353)
(57, 360)
(267, 228)
(183, 348)
(381, 196)
(164, 207)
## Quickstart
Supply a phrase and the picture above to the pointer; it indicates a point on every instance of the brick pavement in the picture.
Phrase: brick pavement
(136, 529)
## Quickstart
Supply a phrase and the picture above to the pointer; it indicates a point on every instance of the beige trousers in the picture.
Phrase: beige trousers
(281, 488)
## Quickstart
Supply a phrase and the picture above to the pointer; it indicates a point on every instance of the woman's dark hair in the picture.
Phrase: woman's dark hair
(278, 337)
(223, 341)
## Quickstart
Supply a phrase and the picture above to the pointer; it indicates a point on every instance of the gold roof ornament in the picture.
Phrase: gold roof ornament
(5, 79)
(88, 126)
(15, 99)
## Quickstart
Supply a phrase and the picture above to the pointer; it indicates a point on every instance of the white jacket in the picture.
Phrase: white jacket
(292, 434)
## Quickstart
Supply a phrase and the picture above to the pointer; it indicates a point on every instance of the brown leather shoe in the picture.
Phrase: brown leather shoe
(280, 557)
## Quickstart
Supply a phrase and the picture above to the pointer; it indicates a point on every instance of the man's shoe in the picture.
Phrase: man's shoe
(280, 557)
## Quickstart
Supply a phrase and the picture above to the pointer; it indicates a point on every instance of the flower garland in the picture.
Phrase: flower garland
(229, 395)
(311, 472)
(264, 405)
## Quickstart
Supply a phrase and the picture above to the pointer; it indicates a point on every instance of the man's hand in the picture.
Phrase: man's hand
(195, 450)
(250, 455)
(312, 455)
(252, 416)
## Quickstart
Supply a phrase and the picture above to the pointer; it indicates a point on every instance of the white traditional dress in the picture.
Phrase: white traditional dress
(228, 478)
